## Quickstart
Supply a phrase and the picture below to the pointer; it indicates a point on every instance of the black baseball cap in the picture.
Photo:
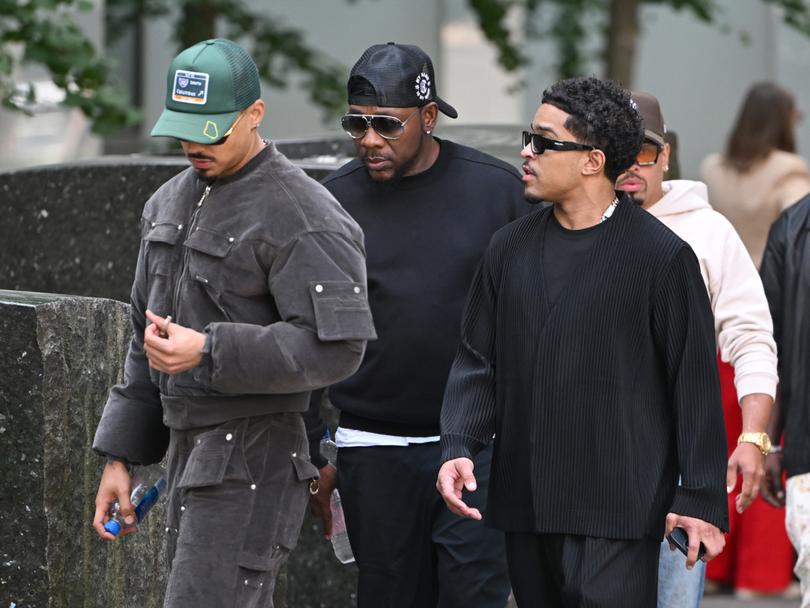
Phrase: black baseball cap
(395, 76)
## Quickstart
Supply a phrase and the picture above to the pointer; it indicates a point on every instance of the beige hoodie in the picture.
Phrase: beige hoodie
(742, 321)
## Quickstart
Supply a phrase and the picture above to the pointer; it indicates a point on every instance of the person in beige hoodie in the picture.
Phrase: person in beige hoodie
(742, 321)
(759, 175)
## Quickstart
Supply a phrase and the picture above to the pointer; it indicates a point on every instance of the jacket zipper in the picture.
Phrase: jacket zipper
(183, 266)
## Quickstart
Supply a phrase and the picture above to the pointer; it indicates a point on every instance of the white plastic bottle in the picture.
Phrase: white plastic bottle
(340, 536)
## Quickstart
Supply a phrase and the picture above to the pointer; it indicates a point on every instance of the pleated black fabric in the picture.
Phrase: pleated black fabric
(600, 400)
(563, 571)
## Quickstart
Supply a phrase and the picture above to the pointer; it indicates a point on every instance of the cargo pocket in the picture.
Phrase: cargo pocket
(208, 460)
(290, 525)
(341, 311)
(257, 576)
(258, 571)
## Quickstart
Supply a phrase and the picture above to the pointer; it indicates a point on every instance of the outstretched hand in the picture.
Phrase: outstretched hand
(748, 461)
(455, 475)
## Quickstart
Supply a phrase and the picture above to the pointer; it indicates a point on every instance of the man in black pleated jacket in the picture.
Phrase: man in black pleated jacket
(588, 350)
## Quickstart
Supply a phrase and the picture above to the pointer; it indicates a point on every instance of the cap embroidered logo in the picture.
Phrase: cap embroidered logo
(423, 86)
(211, 131)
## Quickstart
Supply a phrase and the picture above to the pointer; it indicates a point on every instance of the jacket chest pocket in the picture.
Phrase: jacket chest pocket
(208, 266)
(161, 258)
(224, 266)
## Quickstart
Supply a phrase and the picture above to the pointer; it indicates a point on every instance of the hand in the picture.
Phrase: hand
(171, 348)
(115, 485)
(320, 502)
(453, 476)
(773, 492)
(698, 531)
(748, 460)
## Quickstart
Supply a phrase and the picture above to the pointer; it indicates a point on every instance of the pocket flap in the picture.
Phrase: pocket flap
(304, 469)
(253, 561)
(210, 243)
(163, 233)
(341, 311)
(208, 459)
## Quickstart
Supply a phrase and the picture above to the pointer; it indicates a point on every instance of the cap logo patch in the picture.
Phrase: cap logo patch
(211, 131)
(423, 86)
(190, 87)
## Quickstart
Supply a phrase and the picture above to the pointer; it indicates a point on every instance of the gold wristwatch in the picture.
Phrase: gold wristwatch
(761, 440)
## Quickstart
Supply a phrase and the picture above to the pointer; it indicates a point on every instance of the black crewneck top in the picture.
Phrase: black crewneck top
(424, 237)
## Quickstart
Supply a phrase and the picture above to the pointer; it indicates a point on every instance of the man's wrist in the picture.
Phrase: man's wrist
(109, 459)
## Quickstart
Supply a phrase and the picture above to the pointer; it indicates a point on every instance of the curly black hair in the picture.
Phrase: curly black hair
(602, 115)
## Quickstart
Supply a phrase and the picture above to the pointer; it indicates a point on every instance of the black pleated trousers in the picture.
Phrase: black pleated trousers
(567, 571)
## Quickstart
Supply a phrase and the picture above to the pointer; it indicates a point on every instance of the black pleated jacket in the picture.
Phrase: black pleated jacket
(600, 401)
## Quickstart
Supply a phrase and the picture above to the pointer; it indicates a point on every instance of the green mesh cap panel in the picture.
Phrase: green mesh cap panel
(246, 86)
(223, 79)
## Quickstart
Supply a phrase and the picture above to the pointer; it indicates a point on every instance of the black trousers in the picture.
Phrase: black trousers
(566, 571)
(411, 551)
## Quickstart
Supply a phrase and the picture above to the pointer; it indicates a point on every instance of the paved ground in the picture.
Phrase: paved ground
(727, 601)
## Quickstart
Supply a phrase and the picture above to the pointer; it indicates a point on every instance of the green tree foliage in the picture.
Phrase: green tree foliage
(566, 23)
(44, 33)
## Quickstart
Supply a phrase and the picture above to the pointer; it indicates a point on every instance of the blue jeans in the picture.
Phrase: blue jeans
(677, 586)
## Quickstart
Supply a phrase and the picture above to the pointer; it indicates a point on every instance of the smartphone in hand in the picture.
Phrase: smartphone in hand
(680, 539)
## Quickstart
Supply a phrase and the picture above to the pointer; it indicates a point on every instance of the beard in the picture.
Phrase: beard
(636, 197)
(392, 181)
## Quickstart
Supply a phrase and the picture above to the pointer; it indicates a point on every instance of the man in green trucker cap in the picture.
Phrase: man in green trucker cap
(249, 292)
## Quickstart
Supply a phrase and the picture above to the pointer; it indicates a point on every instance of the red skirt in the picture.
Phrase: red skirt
(758, 555)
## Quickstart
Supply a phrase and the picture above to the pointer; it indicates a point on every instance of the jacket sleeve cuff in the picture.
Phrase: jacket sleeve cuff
(459, 446)
(131, 431)
(757, 382)
(708, 505)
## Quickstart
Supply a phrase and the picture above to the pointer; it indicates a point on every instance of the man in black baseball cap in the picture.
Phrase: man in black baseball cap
(428, 207)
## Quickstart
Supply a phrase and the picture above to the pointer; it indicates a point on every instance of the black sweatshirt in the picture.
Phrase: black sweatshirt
(600, 400)
(424, 237)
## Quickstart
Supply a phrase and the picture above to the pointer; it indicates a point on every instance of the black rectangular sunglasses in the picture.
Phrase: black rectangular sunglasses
(540, 144)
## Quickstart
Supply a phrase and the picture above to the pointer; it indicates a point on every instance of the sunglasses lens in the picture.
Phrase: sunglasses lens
(647, 155)
(387, 126)
(355, 126)
(536, 141)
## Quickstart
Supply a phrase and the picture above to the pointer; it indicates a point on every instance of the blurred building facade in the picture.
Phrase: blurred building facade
(699, 72)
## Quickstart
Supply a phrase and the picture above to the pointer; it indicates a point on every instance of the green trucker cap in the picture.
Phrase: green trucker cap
(207, 86)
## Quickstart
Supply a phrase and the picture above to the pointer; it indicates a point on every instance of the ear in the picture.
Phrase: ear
(256, 113)
(594, 163)
(430, 115)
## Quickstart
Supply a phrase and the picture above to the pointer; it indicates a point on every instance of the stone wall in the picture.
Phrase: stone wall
(59, 356)
(74, 228)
